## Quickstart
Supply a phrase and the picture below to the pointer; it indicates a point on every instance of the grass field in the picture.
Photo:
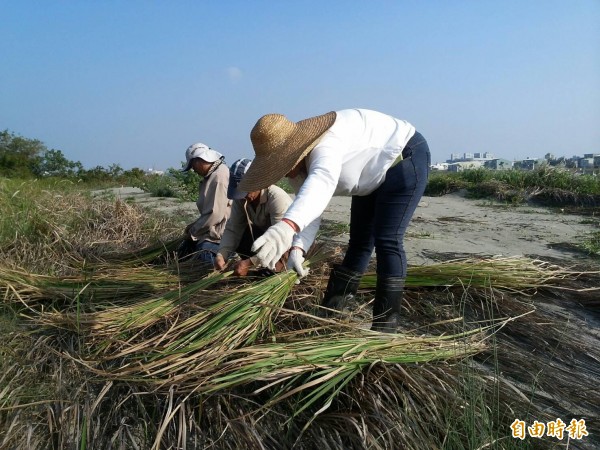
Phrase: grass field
(110, 342)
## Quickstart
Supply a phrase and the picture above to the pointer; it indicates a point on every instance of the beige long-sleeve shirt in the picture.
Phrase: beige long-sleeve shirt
(272, 205)
(213, 205)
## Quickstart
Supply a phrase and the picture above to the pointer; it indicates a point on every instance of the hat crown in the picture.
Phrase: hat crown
(194, 149)
(236, 172)
(238, 169)
(271, 132)
(279, 145)
(202, 151)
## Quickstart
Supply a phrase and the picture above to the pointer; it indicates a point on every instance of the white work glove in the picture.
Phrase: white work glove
(295, 261)
(273, 244)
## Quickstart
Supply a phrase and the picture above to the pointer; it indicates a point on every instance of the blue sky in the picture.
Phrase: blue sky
(136, 82)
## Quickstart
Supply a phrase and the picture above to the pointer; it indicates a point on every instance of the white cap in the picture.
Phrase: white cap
(202, 151)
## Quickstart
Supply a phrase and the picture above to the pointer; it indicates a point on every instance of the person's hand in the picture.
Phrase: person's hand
(242, 267)
(273, 244)
(295, 261)
(219, 262)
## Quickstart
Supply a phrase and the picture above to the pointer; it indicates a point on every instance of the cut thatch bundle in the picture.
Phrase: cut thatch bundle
(514, 274)
(108, 286)
(121, 320)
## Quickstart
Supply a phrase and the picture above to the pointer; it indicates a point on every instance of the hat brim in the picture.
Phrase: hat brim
(267, 170)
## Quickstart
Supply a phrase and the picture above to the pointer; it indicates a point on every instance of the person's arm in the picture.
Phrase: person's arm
(324, 166)
(214, 204)
(306, 237)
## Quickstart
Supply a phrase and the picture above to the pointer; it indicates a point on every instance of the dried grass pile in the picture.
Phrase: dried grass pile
(54, 226)
(123, 350)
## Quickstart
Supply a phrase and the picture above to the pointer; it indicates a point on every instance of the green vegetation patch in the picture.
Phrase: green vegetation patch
(591, 243)
(548, 185)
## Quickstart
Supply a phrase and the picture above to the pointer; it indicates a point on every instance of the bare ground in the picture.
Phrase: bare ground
(453, 224)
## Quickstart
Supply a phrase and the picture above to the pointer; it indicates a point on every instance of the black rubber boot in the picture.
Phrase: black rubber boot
(388, 299)
(341, 288)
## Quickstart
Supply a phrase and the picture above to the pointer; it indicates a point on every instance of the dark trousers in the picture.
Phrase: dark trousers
(379, 220)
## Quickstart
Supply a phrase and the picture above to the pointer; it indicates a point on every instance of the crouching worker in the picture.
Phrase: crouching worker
(380, 161)
(204, 235)
(252, 213)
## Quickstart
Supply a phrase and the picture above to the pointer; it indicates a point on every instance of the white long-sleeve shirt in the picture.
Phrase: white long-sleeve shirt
(351, 158)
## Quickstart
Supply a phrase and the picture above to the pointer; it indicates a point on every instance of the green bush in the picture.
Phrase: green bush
(546, 184)
(591, 243)
(442, 183)
(157, 185)
(186, 183)
(498, 190)
(475, 176)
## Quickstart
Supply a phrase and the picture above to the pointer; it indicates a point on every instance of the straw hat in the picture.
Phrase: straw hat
(280, 144)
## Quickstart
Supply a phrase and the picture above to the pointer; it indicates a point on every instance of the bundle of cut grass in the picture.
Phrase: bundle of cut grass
(516, 274)
(233, 343)
(231, 321)
(124, 321)
(108, 286)
(146, 255)
(325, 363)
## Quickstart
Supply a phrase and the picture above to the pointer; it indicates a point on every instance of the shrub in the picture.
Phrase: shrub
(475, 176)
(442, 183)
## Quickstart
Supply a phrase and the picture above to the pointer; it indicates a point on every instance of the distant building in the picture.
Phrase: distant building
(464, 165)
(528, 164)
(585, 163)
(589, 163)
(498, 164)
(439, 166)
(477, 156)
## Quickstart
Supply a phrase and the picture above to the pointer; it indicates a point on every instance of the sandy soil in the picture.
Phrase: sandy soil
(451, 224)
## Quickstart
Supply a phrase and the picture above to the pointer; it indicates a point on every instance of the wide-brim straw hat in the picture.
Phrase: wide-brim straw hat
(280, 144)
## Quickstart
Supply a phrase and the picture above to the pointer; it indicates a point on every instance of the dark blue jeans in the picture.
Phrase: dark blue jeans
(379, 220)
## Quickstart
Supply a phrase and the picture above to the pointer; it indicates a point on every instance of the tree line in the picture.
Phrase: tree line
(22, 157)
